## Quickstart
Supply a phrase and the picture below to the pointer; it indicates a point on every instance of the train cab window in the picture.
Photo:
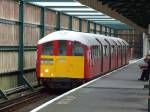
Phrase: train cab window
(47, 48)
(77, 49)
(62, 48)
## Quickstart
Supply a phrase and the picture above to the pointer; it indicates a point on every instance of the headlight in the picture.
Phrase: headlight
(46, 70)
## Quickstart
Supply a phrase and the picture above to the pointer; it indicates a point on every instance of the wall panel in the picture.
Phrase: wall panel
(48, 31)
(9, 9)
(75, 24)
(64, 21)
(32, 14)
(9, 34)
(29, 59)
(50, 18)
(8, 82)
(32, 35)
(84, 26)
(31, 77)
(8, 61)
(91, 27)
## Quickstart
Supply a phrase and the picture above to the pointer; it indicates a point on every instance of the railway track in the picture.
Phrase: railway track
(29, 99)
(17, 103)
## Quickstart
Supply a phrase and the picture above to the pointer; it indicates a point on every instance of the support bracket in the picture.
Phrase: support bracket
(3, 95)
(25, 81)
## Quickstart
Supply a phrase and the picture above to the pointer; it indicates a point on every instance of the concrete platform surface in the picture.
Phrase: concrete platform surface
(118, 92)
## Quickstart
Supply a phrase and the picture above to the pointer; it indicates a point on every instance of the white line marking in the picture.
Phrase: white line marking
(73, 90)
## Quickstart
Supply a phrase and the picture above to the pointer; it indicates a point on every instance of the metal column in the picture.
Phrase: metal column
(21, 79)
(80, 25)
(88, 26)
(95, 28)
(58, 22)
(42, 21)
(70, 22)
(21, 45)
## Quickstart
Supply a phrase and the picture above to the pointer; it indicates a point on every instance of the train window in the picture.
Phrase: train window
(112, 49)
(106, 50)
(97, 50)
(47, 48)
(91, 52)
(62, 48)
(94, 51)
(77, 49)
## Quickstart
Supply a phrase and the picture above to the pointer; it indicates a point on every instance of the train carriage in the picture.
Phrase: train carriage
(104, 53)
(127, 52)
(111, 53)
(123, 47)
(74, 57)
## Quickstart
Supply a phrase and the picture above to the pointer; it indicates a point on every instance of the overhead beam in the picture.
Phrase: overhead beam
(82, 15)
(94, 19)
(49, 1)
(97, 5)
(74, 11)
(73, 7)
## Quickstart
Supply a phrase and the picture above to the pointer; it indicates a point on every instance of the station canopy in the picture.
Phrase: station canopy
(76, 9)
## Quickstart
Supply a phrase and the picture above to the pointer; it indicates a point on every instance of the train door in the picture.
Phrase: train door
(100, 55)
(106, 59)
(61, 61)
(109, 55)
(77, 60)
(119, 55)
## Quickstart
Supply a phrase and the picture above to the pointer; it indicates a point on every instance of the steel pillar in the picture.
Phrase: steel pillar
(70, 22)
(88, 26)
(58, 22)
(95, 28)
(21, 44)
(21, 78)
(80, 25)
(42, 21)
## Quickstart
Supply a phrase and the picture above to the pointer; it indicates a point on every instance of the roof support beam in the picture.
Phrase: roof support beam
(73, 7)
(48, 0)
(97, 5)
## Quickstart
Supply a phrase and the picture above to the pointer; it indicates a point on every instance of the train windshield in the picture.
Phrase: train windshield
(77, 49)
(47, 49)
(62, 48)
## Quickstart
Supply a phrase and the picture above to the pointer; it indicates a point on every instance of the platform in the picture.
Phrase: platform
(119, 91)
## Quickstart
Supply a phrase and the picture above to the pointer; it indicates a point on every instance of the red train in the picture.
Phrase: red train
(68, 57)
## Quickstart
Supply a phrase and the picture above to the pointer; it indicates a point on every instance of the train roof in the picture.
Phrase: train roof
(111, 42)
(100, 38)
(84, 38)
(125, 42)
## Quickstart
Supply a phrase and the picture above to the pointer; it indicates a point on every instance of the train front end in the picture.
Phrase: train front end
(60, 63)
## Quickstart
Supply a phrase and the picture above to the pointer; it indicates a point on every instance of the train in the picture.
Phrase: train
(69, 58)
